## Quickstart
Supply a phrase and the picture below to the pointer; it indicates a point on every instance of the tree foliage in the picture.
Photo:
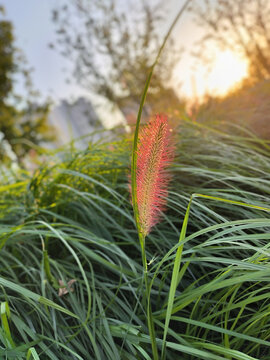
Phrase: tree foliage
(7, 66)
(113, 46)
(240, 25)
(24, 125)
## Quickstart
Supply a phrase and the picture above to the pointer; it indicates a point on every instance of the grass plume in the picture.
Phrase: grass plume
(155, 153)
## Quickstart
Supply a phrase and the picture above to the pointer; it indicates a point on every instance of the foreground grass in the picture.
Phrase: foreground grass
(78, 210)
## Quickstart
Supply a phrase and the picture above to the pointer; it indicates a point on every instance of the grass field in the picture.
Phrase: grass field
(73, 219)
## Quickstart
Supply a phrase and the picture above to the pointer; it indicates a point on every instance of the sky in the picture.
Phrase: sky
(34, 30)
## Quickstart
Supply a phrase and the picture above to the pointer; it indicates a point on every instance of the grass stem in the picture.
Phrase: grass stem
(150, 321)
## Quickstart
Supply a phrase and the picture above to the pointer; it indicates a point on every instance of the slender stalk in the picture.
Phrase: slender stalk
(150, 321)
(134, 181)
(175, 278)
(136, 133)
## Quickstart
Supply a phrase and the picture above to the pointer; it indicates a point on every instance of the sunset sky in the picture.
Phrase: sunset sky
(34, 31)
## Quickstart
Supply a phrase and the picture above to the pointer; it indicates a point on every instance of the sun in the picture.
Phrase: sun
(227, 70)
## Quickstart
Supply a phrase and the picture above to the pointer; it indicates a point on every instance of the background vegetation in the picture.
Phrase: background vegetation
(23, 120)
(70, 266)
(79, 211)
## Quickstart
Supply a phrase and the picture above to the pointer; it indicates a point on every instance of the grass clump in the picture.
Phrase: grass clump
(80, 212)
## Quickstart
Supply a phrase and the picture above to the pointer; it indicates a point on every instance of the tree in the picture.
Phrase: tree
(240, 25)
(7, 66)
(27, 124)
(113, 48)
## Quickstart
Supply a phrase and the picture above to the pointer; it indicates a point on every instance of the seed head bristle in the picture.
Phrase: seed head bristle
(155, 152)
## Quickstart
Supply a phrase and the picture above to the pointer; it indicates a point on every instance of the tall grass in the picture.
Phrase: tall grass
(72, 220)
(80, 210)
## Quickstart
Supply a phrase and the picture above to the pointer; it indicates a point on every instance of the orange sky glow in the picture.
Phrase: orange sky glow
(228, 70)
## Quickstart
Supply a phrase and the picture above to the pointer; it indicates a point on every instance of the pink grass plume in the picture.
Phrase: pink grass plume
(154, 153)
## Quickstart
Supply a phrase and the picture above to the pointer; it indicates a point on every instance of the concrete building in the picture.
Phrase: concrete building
(75, 121)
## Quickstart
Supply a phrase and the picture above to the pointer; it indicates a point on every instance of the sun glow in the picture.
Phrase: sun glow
(228, 69)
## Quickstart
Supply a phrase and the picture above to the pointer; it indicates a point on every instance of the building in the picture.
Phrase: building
(77, 122)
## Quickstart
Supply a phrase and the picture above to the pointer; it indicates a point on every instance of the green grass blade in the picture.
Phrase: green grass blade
(175, 278)
(31, 353)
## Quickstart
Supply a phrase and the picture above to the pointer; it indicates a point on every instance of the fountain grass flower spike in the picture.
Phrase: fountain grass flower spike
(155, 152)
(152, 153)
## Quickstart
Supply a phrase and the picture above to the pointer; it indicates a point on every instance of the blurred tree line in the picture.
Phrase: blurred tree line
(112, 46)
(242, 26)
(23, 122)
